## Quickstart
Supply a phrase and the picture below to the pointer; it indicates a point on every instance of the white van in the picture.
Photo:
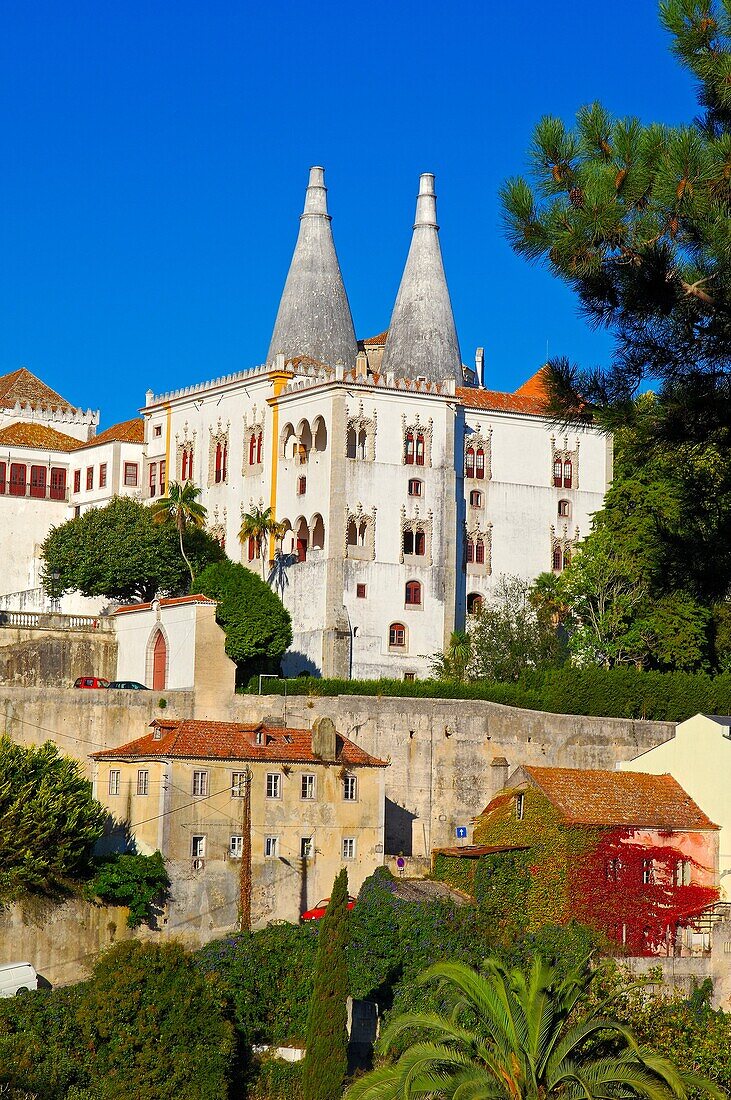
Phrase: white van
(17, 978)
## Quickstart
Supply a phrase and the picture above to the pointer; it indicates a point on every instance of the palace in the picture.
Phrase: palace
(404, 486)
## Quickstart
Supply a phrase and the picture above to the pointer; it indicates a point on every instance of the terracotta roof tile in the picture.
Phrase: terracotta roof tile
(529, 399)
(166, 601)
(194, 739)
(21, 386)
(380, 339)
(618, 798)
(40, 436)
(475, 851)
(129, 431)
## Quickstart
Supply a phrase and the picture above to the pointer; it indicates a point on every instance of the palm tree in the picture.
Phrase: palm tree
(515, 1036)
(258, 524)
(182, 507)
(454, 662)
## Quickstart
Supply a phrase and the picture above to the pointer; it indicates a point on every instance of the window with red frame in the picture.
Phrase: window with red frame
(479, 552)
(38, 481)
(420, 449)
(153, 478)
(17, 479)
(130, 474)
(3, 475)
(219, 463)
(103, 476)
(89, 478)
(252, 450)
(567, 474)
(397, 634)
(414, 487)
(469, 467)
(162, 475)
(558, 473)
(360, 591)
(474, 603)
(77, 481)
(259, 447)
(470, 550)
(301, 486)
(58, 483)
(480, 464)
(475, 499)
(409, 454)
(413, 594)
(252, 548)
(557, 559)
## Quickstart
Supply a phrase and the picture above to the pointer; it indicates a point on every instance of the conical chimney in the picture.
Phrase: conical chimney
(314, 317)
(422, 338)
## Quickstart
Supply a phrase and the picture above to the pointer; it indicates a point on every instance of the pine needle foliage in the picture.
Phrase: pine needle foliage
(326, 1060)
(637, 220)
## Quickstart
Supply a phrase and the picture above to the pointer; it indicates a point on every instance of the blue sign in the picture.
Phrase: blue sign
(461, 832)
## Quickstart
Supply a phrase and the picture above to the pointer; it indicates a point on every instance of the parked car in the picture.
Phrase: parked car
(127, 685)
(17, 978)
(318, 910)
(91, 682)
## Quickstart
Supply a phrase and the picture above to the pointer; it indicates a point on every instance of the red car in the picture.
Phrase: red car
(91, 682)
(318, 911)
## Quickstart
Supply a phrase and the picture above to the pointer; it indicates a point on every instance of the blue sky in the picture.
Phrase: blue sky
(154, 159)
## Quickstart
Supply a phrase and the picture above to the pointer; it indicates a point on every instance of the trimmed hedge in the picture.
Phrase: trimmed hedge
(613, 693)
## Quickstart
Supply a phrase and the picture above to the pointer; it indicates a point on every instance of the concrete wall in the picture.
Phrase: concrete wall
(55, 656)
(683, 974)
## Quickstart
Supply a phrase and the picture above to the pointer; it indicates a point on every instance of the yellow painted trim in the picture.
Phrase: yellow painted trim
(168, 432)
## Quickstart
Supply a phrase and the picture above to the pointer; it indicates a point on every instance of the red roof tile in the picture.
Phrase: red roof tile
(474, 851)
(380, 339)
(193, 739)
(40, 436)
(618, 798)
(129, 431)
(166, 601)
(21, 386)
(529, 399)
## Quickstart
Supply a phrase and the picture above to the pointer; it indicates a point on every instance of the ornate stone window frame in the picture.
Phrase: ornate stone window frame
(360, 423)
(563, 541)
(184, 445)
(417, 428)
(217, 527)
(484, 534)
(416, 523)
(477, 439)
(218, 438)
(252, 431)
(366, 551)
(563, 455)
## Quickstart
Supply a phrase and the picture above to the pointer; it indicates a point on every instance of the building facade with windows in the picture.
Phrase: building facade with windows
(316, 804)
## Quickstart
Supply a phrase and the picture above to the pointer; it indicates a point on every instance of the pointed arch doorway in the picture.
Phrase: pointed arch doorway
(159, 662)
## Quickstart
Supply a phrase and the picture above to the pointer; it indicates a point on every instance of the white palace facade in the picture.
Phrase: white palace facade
(405, 487)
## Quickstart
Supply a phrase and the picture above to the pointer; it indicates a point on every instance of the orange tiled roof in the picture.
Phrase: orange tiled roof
(380, 339)
(530, 398)
(193, 739)
(166, 601)
(21, 386)
(618, 798)
(39, 436)
(129, 431)
(475, 851)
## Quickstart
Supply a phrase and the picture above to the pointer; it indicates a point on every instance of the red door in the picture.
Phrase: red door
(159, 663)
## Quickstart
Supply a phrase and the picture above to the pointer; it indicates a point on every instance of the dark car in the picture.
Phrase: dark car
(91, 682)
(127, 685)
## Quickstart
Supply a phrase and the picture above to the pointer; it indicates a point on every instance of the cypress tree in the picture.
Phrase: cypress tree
(326, 1061)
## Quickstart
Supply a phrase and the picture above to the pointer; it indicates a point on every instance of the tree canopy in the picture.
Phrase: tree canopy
(121, 552)
(49, 821)
(182, 508)
(637, 220)
(257, 626)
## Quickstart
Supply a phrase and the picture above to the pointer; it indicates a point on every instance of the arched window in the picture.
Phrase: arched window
(252, 450)
(302, 538)
(259, 447)
(470, 462)
(558, 473)
(475, 498)
(557, 559)
(352, 533)
(413, 594)
(567, 557)
(408, 542)
(474, 603)
(420, 449)
(567, 474)
(184, 469)
(320, 434)
(362, 443)
(480, 464)
(470, 549)
(414, 487)
(159, 662)
(409, 448)
(419, 542)
(362, 532)
(564, 508)
(252, 548)
(397, 635)
(479, 552)
(350, 443)
(219, 463)
(318, 532)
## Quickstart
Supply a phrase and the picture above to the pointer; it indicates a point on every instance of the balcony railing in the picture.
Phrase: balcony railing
(51, 620)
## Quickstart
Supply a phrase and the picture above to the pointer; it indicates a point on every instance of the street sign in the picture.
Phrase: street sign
(461, 832)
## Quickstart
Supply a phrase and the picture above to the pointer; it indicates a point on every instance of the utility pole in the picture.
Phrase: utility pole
(245, 871)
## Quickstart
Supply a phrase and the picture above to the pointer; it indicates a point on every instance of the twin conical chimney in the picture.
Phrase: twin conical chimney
(314, 316)
(422, 338)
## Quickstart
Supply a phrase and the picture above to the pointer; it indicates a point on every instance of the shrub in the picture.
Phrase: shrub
(277, 1080)
(132, 880)
(326, 1060)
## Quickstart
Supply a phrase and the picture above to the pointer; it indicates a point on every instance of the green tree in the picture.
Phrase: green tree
(511, 633)
(49, 821)
(121, 552)
(454, 663)
(511, 1035)
(637, 220)
(259, 524)
(257, 626)
(181, 507)
(155, 1026)
(326, 1060)
(133, 880)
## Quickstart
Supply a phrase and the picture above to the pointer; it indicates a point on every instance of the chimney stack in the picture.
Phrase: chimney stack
(324, 739)
(480, 367)
(498, 774)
